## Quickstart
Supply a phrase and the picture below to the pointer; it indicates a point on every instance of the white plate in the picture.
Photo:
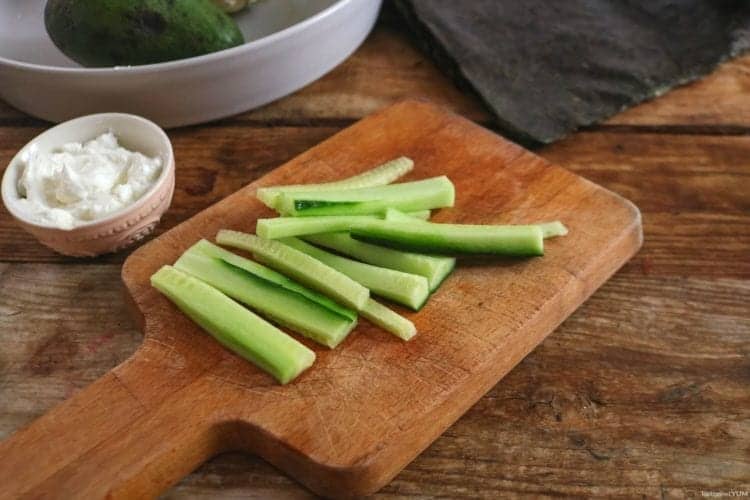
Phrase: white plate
(290, 43)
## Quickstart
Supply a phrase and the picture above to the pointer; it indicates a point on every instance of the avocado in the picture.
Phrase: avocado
(131, 32)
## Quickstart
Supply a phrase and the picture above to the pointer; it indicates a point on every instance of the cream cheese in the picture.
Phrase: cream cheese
(83, 182)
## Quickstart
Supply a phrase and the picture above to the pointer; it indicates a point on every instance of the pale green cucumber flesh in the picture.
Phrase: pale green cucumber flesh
(235, 327)
(284, 227)
(553, 229)
(378, 176)
(398, 215)
(418, 214)
(433, 267)
(431, 193)
(411, 290)
(286, 308)
(430, 237)
(389, 320)
(268, 274)
(300, 266)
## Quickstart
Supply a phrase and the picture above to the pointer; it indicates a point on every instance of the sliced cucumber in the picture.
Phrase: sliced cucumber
(284, 227)
(408, 196)
(553, 229)
(389, 320)
(550, 229)
(238, 329)
(300, 266)
(378, 176)
(453, 238)
(434, 268)
(282, 306)
(411, 290)
(207, 248)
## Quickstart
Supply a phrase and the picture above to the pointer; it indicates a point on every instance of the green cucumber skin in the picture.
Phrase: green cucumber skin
(435, 268)
(233, 326)
(207, 248)
(431, 193)
(429, 237)
(389, 320)
(378, 176)
(310, 205)
(407, 289)
(278, 304)
(300, 266)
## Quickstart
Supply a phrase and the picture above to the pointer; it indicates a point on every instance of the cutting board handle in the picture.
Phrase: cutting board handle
(109, 440)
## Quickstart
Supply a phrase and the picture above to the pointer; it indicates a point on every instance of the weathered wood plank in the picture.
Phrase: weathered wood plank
(721, 99)
(692, 191)
(627, 398)
(388, 67)
(663, 173)
(61, 328)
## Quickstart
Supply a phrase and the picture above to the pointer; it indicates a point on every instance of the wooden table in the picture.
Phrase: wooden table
(644, 391)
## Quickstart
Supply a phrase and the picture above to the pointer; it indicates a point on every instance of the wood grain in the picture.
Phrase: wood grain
(692, 434)
(691, 190)
(719, 99)
(347, 426)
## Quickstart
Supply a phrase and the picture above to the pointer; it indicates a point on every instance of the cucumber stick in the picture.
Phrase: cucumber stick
(550, 229)
(411, 290)
(233, 326)
(207, 248)
(389, 320)
(378, 176)
(408, 196)
(284, 227)
(300, 266)
(282, 306)
(430, 237)
(433, 267)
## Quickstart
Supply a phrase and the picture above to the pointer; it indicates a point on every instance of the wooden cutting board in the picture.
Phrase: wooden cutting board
(363, 411)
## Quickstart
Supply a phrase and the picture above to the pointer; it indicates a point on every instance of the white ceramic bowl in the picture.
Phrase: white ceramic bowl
(121, 228)
(290, 44)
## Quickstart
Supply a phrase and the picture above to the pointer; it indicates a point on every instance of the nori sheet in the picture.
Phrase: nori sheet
(547, 67)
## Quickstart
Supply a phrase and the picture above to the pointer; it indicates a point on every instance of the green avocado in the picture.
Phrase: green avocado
(132, 32)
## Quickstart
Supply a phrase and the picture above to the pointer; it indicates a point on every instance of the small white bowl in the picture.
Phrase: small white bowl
(121, 228)
(290, 43)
